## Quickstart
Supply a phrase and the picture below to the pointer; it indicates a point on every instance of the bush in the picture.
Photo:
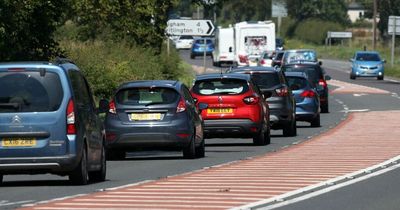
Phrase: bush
(315, 31)
(108, 64)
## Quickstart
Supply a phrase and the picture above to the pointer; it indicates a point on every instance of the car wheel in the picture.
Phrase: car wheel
(262, 138)
(100, 175)
(352, 76)
(192, 56)
(79, 175)
(380, 77)
(316, 122)
(115, 155)
(325, 108)
(290, 129)
(189, 152)
(201, 149)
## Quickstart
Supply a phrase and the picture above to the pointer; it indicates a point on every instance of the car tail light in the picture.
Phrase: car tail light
(262, 61)
(308, 94)
(243, 59)
(183, 135)
(110, 136)
(251, 100)
(282, 91)
(181, 106)
(112, 108)
(71, 118)
(322, 83)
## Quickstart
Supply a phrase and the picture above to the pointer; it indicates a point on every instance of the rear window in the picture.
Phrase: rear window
(147, 96)
(28, 91)
(297, 83)
(221, 87)
(186, 37)
(298, 56)
(265, 81)
(201, 41)
(313, 73)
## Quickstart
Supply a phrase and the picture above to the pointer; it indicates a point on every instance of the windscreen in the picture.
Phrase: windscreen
(266, 81)
(30, 91)
(147, 96)
(367, 57)
(221, 87)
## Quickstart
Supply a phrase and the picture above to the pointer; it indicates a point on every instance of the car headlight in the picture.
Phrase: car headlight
(380, 65)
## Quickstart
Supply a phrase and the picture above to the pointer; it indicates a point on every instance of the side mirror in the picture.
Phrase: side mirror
(202, 106)
(384, 61)
(104, 106)
(230, 49)
(351, 60)
(267, 94)
(320, 63)
(327, 77)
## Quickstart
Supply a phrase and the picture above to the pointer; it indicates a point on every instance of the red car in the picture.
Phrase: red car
(236, 107)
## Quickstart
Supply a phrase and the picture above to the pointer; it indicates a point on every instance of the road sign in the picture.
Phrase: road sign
(394, 25)
(340, 34)
(279, 8)
(180, 27)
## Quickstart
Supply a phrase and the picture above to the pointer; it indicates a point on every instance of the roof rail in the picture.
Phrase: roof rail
(59, 60)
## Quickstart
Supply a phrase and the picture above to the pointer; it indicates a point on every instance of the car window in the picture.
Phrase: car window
(80, 89)
(314, 74)
(147, 96)
(266, 80)
(297, 56)
(296, 83)
(367, 57)
(201, 41)
(187, 95)
(225, 86)
(279, 56)
(30, 91)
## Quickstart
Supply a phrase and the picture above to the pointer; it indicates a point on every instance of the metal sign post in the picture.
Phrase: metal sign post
(179, 27)
(393, 29)
(279, 10)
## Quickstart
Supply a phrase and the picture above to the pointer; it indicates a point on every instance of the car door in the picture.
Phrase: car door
(193, 113)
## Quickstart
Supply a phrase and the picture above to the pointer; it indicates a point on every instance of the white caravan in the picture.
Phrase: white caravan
(224, 46)
(252, 39)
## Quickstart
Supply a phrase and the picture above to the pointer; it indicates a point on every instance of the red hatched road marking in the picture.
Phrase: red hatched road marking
(338, 152)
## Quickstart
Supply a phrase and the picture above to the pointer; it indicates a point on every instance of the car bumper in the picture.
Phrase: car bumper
(307, 110)
(367, 73)
(230, 128)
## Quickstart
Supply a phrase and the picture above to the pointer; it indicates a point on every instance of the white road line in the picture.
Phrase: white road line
(6, 203)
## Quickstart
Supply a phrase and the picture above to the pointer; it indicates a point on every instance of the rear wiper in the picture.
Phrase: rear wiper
(154, 103)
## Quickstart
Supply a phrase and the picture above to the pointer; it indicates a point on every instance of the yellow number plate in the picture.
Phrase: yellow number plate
(220, 111)
(20, 142)
(147, 116)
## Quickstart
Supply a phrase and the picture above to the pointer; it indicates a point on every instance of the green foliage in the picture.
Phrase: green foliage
(108, 64)
(328, 10)
(315, 31)
(387, 8)
(234, 11)
(27, 27)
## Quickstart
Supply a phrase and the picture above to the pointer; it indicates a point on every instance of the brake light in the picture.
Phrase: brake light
(243, 59)
(308, 94)
(251, 100)
(322, 83)
(112, 108)
(282, 91)
(183, 135)
(16, 69)
(262, 61)
(71, 118)
(222, 57)
(181, 106)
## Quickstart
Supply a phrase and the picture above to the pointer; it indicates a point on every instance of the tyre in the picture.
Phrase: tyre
(263, 137)
(192, 56)
(189, 152)
(115, 155)
(79, 175)
(380, 77)
(352, 76)
(201, 149)
(290, 129)
(100, 175)
(316, 122)
(325, 108)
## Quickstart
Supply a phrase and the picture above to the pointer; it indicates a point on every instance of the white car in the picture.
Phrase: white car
(184, 42)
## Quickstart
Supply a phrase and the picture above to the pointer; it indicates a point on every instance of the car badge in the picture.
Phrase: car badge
(220, 99)
(16, 120)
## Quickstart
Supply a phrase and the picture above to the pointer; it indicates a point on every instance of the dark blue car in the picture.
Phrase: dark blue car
(367, 64)
(200, 45)
(159, 114)
(306, 96)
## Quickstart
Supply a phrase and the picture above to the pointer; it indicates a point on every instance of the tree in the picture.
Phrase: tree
(387, 8)
(27, 27)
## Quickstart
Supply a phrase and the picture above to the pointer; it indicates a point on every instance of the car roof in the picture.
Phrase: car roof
(57, 64)
(225, 75)
(370, 52)
(151, 83)
(296, 74)
(258, 69)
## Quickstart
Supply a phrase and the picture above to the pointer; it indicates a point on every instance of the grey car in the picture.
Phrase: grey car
(159, 114)
(282, 105)
(49, 123)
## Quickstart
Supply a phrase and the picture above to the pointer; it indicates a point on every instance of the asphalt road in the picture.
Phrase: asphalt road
(23, 189)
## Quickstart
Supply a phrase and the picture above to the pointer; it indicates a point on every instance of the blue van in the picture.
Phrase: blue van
(49, 123)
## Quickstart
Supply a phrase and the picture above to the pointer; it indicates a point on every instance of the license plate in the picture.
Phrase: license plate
(220, 111)
(18, 142)
(145, 116)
